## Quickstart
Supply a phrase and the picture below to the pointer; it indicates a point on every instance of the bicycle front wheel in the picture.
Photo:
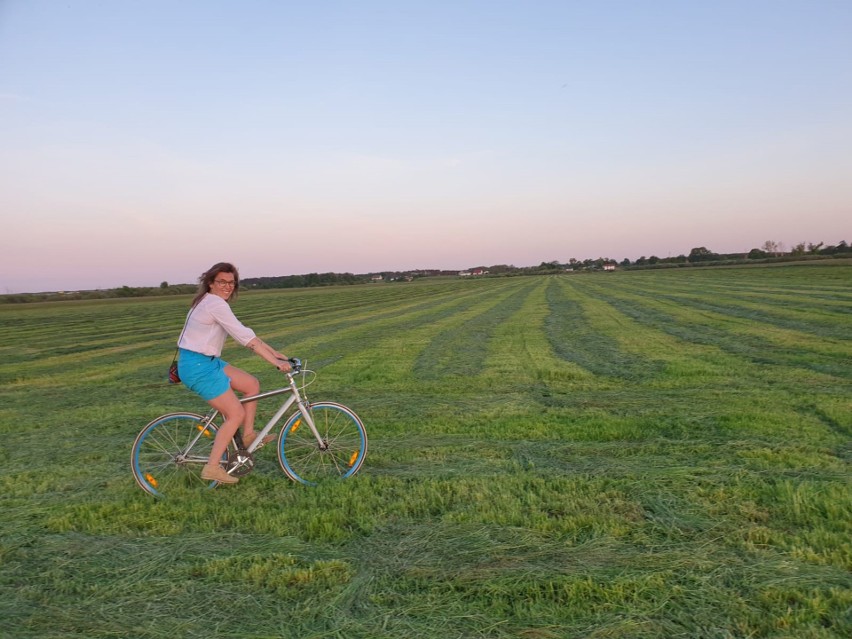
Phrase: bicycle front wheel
(339, 452)
(162, 459)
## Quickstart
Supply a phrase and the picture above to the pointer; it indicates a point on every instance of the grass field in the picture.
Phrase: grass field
(647, 454)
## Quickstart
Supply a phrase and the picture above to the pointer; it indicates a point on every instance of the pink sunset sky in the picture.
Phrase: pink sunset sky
(144, 141)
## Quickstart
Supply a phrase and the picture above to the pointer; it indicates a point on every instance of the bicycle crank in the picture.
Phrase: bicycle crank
(240, 462)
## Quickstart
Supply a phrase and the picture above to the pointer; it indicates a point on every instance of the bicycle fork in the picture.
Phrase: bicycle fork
(303, 406)
(304, 410)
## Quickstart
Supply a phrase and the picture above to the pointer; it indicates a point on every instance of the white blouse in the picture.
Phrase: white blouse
(209, 323)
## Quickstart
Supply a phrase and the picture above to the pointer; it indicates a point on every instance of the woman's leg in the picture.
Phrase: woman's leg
(246, 384)
(233, 412)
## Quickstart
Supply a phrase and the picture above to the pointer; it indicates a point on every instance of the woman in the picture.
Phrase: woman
(201, 368)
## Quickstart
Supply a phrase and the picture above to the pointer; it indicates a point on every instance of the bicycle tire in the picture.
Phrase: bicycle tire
(344, 436)
(158, 458)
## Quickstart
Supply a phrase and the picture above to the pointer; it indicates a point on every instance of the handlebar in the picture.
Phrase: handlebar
(295, 364)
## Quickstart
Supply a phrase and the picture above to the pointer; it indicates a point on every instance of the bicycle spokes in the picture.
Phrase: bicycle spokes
(170, 451)
(338, 453)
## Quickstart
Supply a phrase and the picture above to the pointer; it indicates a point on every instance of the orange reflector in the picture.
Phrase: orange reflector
(353, 458)
(151, 479)
(203, 430)
(296, 425)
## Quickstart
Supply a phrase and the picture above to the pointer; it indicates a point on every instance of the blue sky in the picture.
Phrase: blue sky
(143, 141)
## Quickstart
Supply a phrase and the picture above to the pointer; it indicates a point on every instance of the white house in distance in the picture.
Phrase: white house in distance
(609, 266)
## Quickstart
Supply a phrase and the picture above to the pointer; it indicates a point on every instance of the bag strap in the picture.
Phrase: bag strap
(174, 359)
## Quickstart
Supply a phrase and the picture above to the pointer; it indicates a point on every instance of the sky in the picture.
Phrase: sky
(142, 141)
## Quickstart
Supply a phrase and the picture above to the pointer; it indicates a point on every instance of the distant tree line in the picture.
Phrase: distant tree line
(770, 251)
(303, 281)
(99, 294)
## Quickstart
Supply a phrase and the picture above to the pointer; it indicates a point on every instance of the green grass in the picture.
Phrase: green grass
(646, 454)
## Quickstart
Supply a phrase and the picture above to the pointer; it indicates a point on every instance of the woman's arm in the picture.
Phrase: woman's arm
(278, 360)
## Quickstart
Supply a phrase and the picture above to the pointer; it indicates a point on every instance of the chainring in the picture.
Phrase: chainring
(240, 462)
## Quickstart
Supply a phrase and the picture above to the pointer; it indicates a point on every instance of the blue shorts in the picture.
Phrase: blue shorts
(203, 374)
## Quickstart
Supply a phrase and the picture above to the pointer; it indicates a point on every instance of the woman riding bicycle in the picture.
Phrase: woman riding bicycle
(202, 370)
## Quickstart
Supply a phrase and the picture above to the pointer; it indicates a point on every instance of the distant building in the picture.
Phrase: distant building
(609, 267)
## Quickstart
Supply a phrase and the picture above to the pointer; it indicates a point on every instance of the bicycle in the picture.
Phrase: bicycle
(320, 440)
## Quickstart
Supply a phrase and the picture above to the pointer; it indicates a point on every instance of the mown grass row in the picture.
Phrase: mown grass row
(653, 454)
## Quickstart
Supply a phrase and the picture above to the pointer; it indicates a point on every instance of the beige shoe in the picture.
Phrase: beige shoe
(248, 440)
(217, 473)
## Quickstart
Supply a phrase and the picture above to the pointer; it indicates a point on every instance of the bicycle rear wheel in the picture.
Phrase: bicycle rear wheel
(341, 453)
(160, 459)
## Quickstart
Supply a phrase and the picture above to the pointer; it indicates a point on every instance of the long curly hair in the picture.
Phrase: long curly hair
(207, 277)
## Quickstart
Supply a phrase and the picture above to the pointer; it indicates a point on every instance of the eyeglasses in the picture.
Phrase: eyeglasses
(230, 283)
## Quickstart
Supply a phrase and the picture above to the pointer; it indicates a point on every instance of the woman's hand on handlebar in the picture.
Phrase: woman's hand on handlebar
(291, 364)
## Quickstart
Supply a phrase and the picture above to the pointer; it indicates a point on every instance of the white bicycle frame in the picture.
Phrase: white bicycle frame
(295, 398)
